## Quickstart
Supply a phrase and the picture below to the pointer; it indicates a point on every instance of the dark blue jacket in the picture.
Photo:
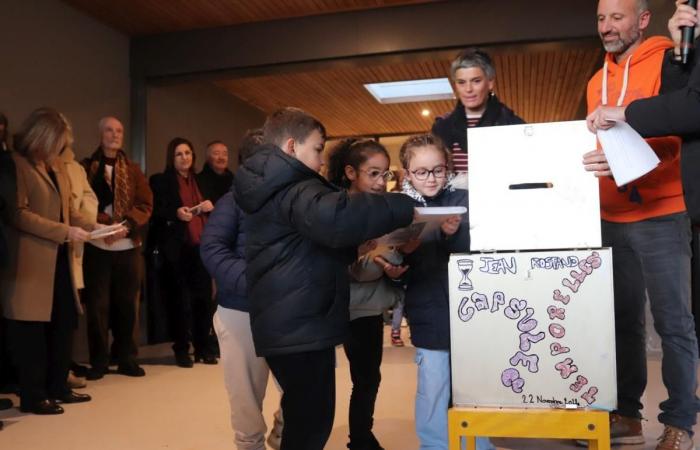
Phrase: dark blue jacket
(223, 253)
(427, 294)
(302, 233)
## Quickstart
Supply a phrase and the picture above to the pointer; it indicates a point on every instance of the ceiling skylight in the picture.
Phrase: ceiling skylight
(411, 91)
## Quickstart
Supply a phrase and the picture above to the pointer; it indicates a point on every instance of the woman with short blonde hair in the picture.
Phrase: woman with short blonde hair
(38, 294)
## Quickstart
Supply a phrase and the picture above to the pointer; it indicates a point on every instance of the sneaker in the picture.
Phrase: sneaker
(623, 430)
(396, 340)
(675, 439)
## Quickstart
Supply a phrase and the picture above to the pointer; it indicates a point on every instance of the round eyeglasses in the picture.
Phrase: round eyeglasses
(375, 174)
(423, 174)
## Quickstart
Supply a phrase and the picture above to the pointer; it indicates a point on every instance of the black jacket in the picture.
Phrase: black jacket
(301, 233)
(676, 112)
(452, 128)
(8, 198)
(167, 232)
(212, 185)
(427, 292)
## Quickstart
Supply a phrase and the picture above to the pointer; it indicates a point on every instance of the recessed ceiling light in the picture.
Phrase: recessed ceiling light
(411, 91)
(425, 112)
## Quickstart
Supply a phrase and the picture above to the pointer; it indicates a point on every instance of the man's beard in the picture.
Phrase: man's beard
(621, 45)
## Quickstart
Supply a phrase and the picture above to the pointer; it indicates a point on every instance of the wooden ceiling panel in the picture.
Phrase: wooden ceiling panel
(540, 86)
(143, 17)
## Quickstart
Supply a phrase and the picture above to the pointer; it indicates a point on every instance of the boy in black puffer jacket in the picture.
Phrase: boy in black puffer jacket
(302, 233)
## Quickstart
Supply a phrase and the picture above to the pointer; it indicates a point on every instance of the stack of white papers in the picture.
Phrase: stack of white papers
(109, 230)
(628, 154)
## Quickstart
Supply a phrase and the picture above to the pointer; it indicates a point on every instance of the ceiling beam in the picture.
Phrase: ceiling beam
(440, 25)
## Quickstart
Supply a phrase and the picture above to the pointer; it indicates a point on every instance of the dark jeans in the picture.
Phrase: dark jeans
(41, 351)
(364, 351)
(191, 307)
(112, 283)
(654, 254)
(308, 397)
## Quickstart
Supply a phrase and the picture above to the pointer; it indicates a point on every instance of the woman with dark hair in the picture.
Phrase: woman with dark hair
(474, 76)
(179, 214)
(362, 166)
(39, 293)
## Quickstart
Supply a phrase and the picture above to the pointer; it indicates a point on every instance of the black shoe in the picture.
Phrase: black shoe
(206, 359)
(131, 370)
(95, 373)
(183, 360)
(5, 403)
(73, 397)
(79, 370)
(44, 407)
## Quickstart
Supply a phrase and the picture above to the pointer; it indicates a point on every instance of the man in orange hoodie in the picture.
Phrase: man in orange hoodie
(646, 225)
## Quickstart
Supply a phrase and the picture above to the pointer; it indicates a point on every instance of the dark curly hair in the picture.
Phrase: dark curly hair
(350, 152)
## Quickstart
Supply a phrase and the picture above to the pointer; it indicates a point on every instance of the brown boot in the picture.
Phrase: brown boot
(623, 430)
(675, 439)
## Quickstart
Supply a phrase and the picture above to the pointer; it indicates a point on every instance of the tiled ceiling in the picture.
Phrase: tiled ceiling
(144, 17)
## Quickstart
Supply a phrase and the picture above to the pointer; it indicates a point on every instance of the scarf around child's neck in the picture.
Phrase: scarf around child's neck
(408, 189)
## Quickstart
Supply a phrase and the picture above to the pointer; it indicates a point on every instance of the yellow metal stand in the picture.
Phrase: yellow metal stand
(469, 423)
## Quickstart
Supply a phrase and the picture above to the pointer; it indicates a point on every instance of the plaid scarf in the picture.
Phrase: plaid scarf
(120, 188)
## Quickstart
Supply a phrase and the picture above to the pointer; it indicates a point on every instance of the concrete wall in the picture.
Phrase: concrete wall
(54, 55)
(200, 112)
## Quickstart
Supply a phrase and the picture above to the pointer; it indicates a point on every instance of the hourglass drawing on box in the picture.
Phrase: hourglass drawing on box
(465, 266)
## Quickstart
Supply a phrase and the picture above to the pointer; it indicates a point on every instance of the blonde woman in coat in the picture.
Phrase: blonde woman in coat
(39, 295)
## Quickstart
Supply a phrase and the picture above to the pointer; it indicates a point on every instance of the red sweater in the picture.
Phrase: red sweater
(659, 192)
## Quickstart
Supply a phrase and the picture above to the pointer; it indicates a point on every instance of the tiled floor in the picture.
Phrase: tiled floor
(187, 409)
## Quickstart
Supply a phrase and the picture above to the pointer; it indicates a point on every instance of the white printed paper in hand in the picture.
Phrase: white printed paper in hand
(533, 329)
(196, 209)
(630, 157)
(426, 220)
(109, 230)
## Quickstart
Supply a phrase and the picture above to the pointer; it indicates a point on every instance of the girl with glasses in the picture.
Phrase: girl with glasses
(427, 169)
(362, 166)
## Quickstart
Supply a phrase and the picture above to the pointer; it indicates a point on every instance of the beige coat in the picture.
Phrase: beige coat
(83, 200)
(34, 234)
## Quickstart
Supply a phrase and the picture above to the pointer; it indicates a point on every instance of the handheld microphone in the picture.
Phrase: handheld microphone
(687, 37)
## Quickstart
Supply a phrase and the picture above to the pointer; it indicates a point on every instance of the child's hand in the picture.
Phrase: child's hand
(410, 246)
(366, 247)
(390, 270)
(450, 225)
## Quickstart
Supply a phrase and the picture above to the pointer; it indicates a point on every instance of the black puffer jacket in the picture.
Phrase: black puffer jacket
(302, 234)
(676, 112)
(452, 128)
(427, 292)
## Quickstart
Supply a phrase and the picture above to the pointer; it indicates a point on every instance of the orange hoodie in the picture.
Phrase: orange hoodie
(659, 192)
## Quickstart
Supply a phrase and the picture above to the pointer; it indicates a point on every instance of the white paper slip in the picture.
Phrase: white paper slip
(630, 157)
(438, 213)
(196, 209)
(427, 219)
(109, 230)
